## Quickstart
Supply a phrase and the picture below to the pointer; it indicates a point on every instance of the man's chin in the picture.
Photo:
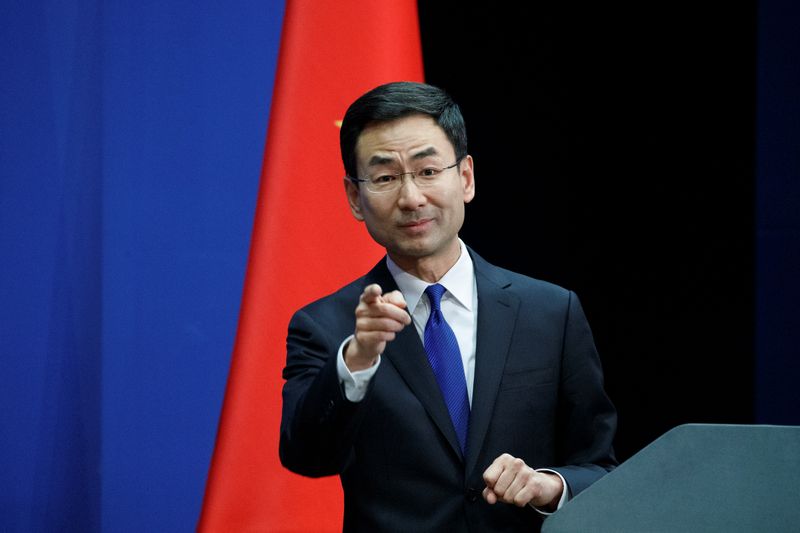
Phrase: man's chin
(418, 247)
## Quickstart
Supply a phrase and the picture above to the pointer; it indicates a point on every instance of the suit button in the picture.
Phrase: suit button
(472, 495)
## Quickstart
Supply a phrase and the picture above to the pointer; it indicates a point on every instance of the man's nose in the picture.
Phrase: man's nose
(409, 195)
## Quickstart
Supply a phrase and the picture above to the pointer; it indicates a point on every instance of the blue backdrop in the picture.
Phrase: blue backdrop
(778, 214)
(130, 151)
(132, 141)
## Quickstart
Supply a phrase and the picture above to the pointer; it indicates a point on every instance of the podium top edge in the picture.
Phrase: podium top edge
(743, 426)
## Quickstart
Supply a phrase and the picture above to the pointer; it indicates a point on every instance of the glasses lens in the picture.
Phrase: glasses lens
(383, 183)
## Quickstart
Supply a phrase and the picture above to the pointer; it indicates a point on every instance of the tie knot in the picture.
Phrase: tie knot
(435, 293)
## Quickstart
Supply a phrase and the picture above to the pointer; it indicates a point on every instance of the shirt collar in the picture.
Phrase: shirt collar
(459, 281)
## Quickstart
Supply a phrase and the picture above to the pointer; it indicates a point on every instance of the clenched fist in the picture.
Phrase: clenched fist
(508, 479)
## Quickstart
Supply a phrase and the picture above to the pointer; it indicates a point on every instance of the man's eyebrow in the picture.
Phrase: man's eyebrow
(431, 150)
(378, 160)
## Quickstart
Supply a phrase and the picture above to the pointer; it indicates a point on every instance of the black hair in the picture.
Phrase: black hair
(396, 100)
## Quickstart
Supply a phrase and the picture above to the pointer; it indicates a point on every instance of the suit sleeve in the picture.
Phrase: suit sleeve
(587, 420)
(318, 422)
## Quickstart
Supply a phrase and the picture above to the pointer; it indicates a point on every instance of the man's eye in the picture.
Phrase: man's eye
(382, 180)
(428, 172)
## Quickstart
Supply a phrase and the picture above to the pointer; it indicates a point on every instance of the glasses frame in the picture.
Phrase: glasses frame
(400, 177)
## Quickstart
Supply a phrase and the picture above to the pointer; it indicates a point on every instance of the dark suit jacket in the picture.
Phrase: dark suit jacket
(538, 395)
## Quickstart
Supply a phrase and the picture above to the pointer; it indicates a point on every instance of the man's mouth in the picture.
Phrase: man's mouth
(416, 225)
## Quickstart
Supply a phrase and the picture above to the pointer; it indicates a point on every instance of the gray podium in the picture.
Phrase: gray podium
(696, 477)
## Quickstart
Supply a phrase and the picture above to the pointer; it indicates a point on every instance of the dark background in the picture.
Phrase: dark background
(614, 153)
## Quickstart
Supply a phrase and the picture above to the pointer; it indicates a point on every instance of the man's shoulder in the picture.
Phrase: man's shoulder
(538, 293)
(521, 284)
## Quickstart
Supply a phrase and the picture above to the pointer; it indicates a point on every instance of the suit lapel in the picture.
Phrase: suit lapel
(407, 355)
(497, 313)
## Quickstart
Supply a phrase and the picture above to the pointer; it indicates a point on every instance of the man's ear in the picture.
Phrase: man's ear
(353, 198)
(467, 173)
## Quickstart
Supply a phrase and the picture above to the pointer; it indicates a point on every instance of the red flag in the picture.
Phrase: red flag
(305, 244)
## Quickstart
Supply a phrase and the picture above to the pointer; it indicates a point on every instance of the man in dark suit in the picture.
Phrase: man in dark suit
(449, 394)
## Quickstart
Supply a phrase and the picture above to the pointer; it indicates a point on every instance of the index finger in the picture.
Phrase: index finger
(492, 474)
(500, 464)
(371, 294)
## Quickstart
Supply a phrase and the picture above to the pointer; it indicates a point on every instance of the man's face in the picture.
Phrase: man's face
(412, 223)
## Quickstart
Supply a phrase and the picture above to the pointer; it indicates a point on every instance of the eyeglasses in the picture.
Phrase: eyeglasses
(423, 178)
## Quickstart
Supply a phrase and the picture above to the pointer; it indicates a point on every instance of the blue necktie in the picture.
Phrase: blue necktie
(445, 359)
